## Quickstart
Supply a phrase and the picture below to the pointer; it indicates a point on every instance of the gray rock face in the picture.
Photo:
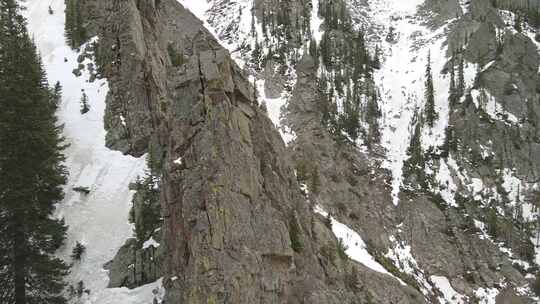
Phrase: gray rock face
(133, 266)
(509, 74)
(139, 260)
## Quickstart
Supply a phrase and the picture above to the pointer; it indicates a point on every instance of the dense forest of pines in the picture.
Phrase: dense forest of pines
(31, 170)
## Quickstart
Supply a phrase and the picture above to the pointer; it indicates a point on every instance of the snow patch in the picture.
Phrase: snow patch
(450, 296)
(316, 22)
(150, 243)
(179, 161)
(402, 257)
(447, 188)
(356, 247)
(486, 295)
(484, 100)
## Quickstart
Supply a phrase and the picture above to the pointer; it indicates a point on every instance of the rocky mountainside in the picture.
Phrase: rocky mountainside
(349, 151)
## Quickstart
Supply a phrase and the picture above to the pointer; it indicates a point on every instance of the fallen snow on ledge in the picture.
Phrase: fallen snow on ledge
(486, 295)
(356, 247)
(150, 243)
(450, 296)
(403, 259)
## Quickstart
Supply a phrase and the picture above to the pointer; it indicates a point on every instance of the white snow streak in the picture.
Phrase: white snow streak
(402, 81)
(486, 295)
(450, 296)
(316, 22)
(356, 247)
(150, 243)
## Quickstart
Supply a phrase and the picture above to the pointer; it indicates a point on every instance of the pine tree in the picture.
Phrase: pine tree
(518, 22)
(478, 78)
(414, 165)
(373, 113)
(74, 29)
(31, 169)
(85, 107)
(461, 76)
(294, 234)
(263, 106)
(350, 120)
(255, 93)
(429, 94)
(376, 63)
(326, 106)
(57, 93)
(315, 181)
(256, 54)
(313, 51)
(453, 91)
(78, 251)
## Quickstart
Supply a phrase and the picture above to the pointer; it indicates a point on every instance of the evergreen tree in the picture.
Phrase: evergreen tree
(414, 165)
(57, 94)
(85, 107)
(264, 107)
(78, 251)
(518, 22)
(255, 93)
(74, 28)
(373, 113)
(350, 119)
(429, 94)
(315, 181)
(391, 36)
(461, 76)
(147, 201)
(376, 63)
(256, 54)
(453, 89)
(294, 234)
(31, 171)
(313, 51)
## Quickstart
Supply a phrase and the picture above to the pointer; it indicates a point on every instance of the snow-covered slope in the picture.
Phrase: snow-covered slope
(402, 79)
(100, 219)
